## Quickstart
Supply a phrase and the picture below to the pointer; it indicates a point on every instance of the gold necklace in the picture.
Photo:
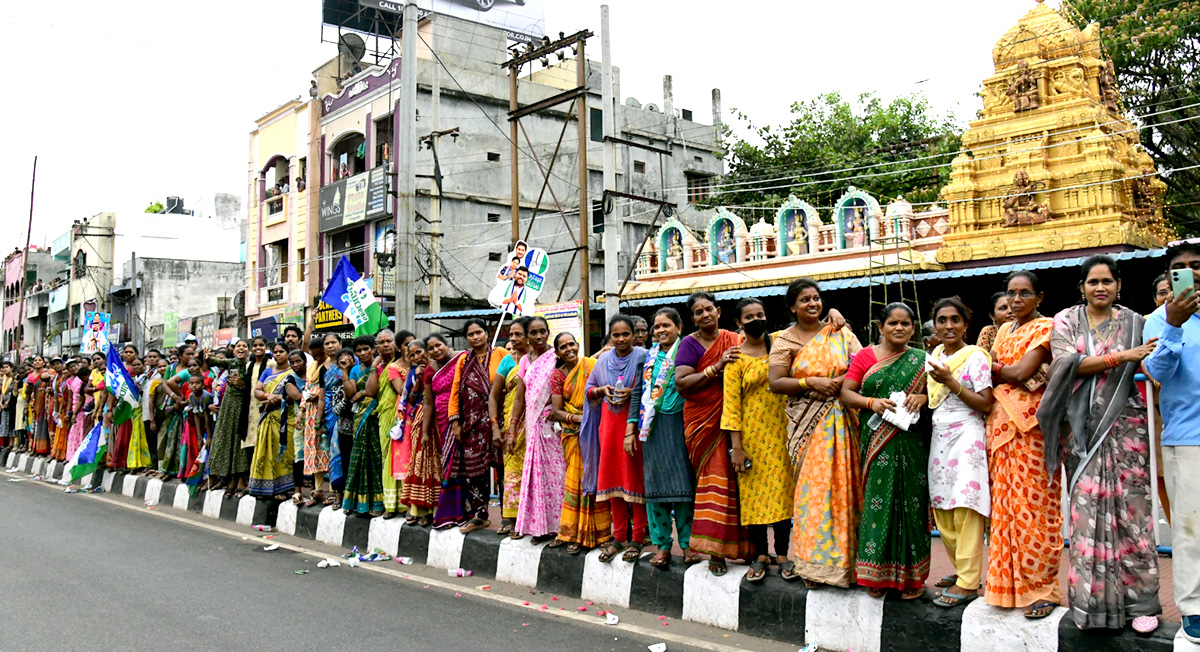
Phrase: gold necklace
(1092, 323)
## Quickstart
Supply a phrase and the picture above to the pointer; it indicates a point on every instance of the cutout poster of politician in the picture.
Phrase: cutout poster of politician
(519, 280)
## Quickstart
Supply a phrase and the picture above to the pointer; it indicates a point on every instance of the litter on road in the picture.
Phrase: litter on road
(274, 546)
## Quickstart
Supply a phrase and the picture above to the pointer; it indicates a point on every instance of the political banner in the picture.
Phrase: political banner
(566, 317)
(519, 280)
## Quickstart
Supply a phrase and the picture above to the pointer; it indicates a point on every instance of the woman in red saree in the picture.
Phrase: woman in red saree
(699, 365)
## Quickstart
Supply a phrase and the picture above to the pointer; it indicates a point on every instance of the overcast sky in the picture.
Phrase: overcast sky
(127, 102)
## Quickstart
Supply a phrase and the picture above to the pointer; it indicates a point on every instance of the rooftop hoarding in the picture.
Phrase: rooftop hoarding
(524, 20)
(354, 200)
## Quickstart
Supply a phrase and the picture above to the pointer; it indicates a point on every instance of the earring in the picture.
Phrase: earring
(1083, 297)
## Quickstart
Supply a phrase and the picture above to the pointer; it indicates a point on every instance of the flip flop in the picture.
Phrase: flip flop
(717, 568)
(947, 582)
(632, 552)
(787, 570)
(611, 551)
(1040, 609)
(758, 572)
(959, 600)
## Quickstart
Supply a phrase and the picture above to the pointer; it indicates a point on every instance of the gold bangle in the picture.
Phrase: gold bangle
(871, 404)
(960, 390)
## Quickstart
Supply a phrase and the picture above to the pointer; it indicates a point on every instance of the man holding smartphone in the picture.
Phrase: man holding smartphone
(1175, 366)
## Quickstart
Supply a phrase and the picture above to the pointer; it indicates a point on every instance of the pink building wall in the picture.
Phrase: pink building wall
(12, 271)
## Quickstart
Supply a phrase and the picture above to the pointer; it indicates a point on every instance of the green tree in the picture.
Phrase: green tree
(1155, 49)
(810, 156)
(155, 207)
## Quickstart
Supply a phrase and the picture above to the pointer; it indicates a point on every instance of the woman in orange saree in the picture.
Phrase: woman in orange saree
(808, 363)
(1026, 543)
(699, 365)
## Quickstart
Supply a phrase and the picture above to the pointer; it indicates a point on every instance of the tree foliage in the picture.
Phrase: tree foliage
(1155, 49)
(832, 143)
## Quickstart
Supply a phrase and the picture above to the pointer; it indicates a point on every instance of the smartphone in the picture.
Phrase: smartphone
(1181, 279)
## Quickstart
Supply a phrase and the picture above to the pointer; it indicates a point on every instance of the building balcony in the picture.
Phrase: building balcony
(274, 210)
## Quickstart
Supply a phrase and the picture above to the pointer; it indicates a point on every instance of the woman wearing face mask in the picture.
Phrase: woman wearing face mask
(544, 472)
(999, 314)
(960, 395)
(656, 429)
(228, 462)
(893, 537)
(1092, 411)
(756, 421)
(505, 402)
(1025, 545)
(808, 364)
(699, 367)
(606, 445)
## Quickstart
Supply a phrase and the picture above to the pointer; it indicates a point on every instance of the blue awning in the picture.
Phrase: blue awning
(460, 314)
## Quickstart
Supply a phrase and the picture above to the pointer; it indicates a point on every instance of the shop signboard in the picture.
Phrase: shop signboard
(267, 327)
(206, 329)
(170, 336)
(293, 314)
(328, 319)
(184, 329)
(566, 317)
(353, 200)
(223, 337)
(523, 20)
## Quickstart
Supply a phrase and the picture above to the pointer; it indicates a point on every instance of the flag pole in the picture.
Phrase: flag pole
(496, 336)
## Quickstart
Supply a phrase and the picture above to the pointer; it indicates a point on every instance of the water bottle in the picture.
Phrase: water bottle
(407, 561)
(875, 421)
(620, 385)
(262, 528)
(458, 572)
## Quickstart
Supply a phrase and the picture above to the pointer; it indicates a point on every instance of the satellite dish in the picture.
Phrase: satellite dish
(653, 107)
(632, 101)
(352, 45)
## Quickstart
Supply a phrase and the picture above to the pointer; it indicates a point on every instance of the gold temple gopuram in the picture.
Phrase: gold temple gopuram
(1050, 169)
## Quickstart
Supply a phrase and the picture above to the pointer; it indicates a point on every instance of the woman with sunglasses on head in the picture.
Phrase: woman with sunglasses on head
(1025, 545)
(1093, 412)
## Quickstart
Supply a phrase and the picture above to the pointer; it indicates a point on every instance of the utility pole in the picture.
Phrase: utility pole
(406, 169)
(612, 225)
(25, 264)
(133, 293)
(435, 204)
(585, 207)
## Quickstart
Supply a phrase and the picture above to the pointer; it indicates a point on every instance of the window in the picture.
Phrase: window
(639, 167)
(699, 161)
(494, 157)
(493, 217)
(303, 178)
(224, 304)
(300, 264)
(596, 117)
(80, 264)
(495, 256)
(698, 187)
(597, 216)
(383, 140)
(687, 114)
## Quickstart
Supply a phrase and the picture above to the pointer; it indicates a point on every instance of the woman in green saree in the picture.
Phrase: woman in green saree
(274, 455)
(893, 536)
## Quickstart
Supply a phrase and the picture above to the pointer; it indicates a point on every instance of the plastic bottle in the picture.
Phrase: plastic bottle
(407, 561)
(263, 528)
(458, 572)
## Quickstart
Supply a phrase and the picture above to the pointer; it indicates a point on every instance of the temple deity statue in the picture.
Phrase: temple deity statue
(1024, 89)
(1022, 208)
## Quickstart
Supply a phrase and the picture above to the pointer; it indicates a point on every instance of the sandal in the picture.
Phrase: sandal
(516, 536)
(411, 519)
(717, 567)
(387, 516)
(810, 585)
(474, 524)
(758, 571)
(787, 570)
(610, 551)
(691, 556)
(312, 500)
(661, 559)
(876, 593)
(1040, 609)
(297, 498)
(544, 538)
(333, 499)
(912, 594)
(506, 527)
(633, 552)
(426, 520)
(574, 548)
(372, 514)
(947, 582)
(946, 599)
(557, 543)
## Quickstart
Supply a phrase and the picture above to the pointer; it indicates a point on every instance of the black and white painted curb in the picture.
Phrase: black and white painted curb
(835, 619)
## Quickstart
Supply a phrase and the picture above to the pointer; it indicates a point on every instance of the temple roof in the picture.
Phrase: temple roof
(1044, 34)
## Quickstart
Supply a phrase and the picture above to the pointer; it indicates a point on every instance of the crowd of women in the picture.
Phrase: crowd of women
(792, 449)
